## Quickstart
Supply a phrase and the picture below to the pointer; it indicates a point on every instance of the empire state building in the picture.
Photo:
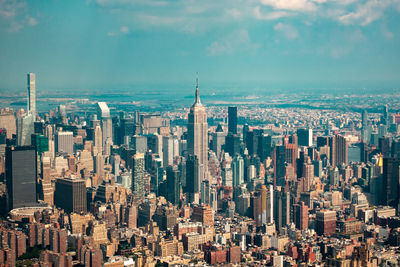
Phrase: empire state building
(198, 136)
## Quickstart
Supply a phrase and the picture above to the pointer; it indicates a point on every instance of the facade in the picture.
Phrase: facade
(25, 128)
(64, 142)
(305, 137)
(232, 120)
(326, 222)
(138, 175)
(32, 94)
(70, 194)
(198, 134)
(103, 113)
(21, 176)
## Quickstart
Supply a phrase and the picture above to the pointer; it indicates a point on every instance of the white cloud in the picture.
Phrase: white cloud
(288, 31)
(366, 13)
(32, 21)
(238, 40)
(269, 16)
(301, 5)
(124, 29)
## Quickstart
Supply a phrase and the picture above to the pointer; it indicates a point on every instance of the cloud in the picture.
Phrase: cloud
(124, 29)
(238, 40)
(269, 16)
(32, 21)
(302, 5)
(14, 15)
(366, 13)
(288, 31)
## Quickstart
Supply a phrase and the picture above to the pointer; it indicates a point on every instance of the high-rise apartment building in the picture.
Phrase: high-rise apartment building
(32, 94)
(21, 176)
(138, 175)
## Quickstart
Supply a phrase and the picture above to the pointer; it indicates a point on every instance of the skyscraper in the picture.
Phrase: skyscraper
(98, 141)
(25, 128)
(64, 142)
(173, 185)
(390, 182)
(192, 177)
(232, 120)
(232, 144)
(238, 170)
(138, 178)
(70, 194)
(197, 134)
(305, 137)
(103, 113)
(301, 214)
(21, 172)
(32, 94)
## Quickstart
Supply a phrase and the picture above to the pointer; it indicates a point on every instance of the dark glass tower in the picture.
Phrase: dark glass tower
(232, 120)
(21, 172)
(70, 195)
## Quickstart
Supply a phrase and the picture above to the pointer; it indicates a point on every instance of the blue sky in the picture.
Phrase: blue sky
(256, 43)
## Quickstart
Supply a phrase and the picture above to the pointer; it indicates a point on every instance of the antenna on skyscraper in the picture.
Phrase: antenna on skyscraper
(197, 80)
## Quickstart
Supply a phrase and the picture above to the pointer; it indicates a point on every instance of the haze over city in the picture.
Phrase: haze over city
(148, 133)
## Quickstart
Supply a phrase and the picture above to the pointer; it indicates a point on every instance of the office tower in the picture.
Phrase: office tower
(98, 141)
(237, 170)
(173, 194)
(281, 208)
(365, 127)
(333, 176)
(341, 151)
(64, 142)
(301, 212)
(167, 150)
(270, 204)
(25, 128)
(317, 168)
(70, 194)
(103, 113)
(138, 175)
(232, 144)
(305, 137)
(197, 134)
(21, 175)
(32, 94)
(232, 120)
(153, 123)
(252, 142)
(390, 182)
(384, 146)
(325, 222)
(264, 146)
(290, 143)
(308, 174)
(40, 142)
(218, 140)
(279, 163)
(3, 136)
(127, 128)
(385, 115)
(131, 214)
(192, 177)
(139, 143)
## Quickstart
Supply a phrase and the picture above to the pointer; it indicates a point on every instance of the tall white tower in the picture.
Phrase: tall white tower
(197, 134)
(32, 94)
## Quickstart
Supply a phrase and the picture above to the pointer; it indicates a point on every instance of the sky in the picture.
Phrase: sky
(106, 44)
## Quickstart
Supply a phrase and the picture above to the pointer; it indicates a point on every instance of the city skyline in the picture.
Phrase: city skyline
(269, 43)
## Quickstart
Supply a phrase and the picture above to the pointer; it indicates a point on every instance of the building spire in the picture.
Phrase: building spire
(197, 95)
